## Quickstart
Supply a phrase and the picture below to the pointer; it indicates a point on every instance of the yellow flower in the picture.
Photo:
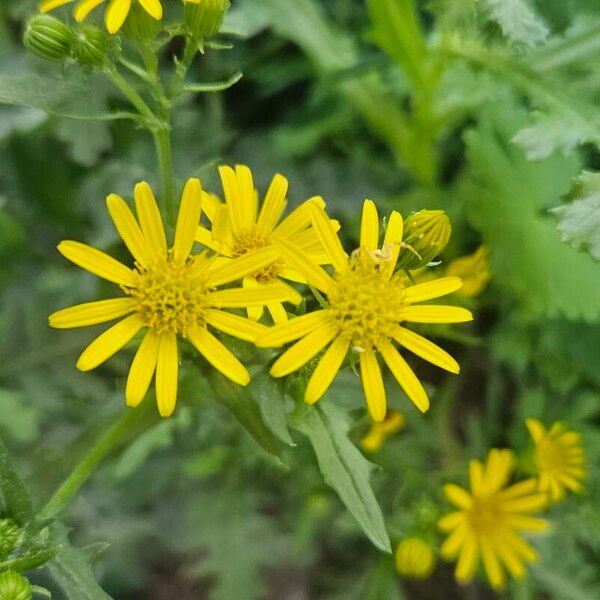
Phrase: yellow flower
(489, 520)
(379, 432)
(168, 293)
(116, 12)
(414, 558)
(559, 459)
(367, 305)
(239, 227)
(474, 270)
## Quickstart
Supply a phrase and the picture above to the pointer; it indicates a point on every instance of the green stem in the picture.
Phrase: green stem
(129, 92)
(162, 140)
(103, 446)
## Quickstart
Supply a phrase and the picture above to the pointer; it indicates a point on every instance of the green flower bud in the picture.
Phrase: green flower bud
(92, 47)
(140, 26)
(426, 234)
(48, 38)
(14, 587)
(204, 17)
(9, 535)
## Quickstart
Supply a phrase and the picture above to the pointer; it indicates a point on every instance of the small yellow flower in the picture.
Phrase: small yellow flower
(489, 520)
(116, 12)
(474, 270)
(239, 227)
(367, 305)
(168, 293)
(559, 459)
(379, 432)
(414, 558)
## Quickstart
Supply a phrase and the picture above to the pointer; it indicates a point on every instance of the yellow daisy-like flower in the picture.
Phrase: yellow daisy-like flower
(379, 432)
(367, 305)
(474, 270)
(414, 558)
(115, 14)
(238, 227)
(559, 458)
(490, 519)
(169, 293)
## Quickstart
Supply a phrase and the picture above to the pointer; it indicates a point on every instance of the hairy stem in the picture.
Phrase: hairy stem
(164, 152)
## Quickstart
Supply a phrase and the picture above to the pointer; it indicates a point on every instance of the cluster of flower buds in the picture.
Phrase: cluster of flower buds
(14, 586)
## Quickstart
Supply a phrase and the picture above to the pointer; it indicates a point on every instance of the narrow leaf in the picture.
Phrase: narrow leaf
(17, 501)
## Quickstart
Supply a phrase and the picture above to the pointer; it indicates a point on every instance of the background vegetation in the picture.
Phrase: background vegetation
(486, 109)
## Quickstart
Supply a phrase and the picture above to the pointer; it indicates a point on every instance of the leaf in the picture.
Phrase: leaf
(17, 418)
(244, 408)
(343, 467)
(17, 501)
(518, 21)
(506, 199)
(71, 568)
(579, 221)
(272, 405)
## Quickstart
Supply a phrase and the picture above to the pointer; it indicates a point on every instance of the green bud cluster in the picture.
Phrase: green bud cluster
(92, 47)
(9, 536)
(426, 234)
(204, 17)
(14, 586)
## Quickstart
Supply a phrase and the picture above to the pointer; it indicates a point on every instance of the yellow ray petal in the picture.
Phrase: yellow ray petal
(97, 262)
(392, 239)
(277, 312)
(150, 219)
(425, 349)
(369, 226)
(304, 350)
(510, 560)
(219, 356)
(372, 381)
(84, 8)
(526, 504)
(476, 476)
(92, 313)
(259, 296)
(329, 239)
(526, 523)
(430, 313)
(459, 497)
(298, 219)
(188, 219)
(205, 237)
(293, 329)
(167, 369)
(255, 313)
(273, 206)
(405, 376)
(240, 267)
(235, 325)
(48, 5)
(326, 370)
(518, 546)
(210, 205)
(491, 564)
(233, 198)
(433, 289)
(116, 13)
(299, 261)
(451, 521)
(248, 200)
(468, 560)
(536, 429)
(142, 370)
(129, 230)
(153, 8)
(109, 343)
(451, 546)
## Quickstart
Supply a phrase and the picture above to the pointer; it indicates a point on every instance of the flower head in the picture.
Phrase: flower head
(489, 520)
(170, 293)
(559, 459)
(414, 558)
(474, 270)
(239, 227)
(379, 432)
(367, 306)
(116, 12)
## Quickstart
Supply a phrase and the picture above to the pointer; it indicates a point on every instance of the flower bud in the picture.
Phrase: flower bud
(414, 558)
(140, 26)
(48, 38)
(9, 534)
(426, 234)
(92, 47)
(14, 587)
(204, 17)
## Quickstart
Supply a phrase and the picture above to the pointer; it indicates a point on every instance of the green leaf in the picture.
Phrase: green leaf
(343, 467)
(71, 568)
(18, 504)
(272, 405)
(518, 21)
(244, 408)
(507, 198)
(579, 221)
